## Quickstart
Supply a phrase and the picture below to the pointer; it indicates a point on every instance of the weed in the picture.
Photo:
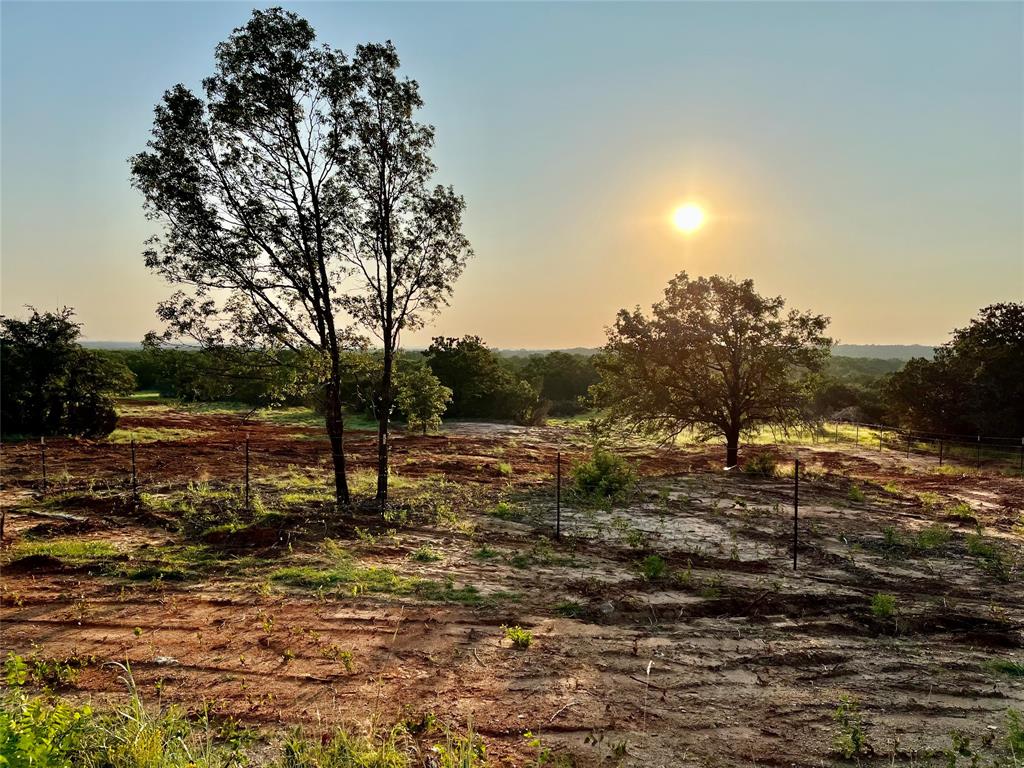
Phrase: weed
(486, 553)
(855, 494)
(519, 637)
(1006, 667)
(504, 469)
(507, 511)
(653, 567)
(851, 740)
(425, 554)
(76, 551)
(570, 609)
(761, 465)
(961, 511)
(883, 605)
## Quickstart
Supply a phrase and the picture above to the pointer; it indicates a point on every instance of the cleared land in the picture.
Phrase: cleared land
(667, 630)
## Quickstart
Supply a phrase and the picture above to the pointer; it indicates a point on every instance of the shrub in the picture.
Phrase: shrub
(519, 637)
(603, 476)
(855, 494)
(37, 734)
(851, 739)
(653, 567)
(761, 465)
(883, 605)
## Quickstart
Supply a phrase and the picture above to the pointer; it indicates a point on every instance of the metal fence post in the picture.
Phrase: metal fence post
(42, 460)
(979, 453)
(558, 496)
(908, 445)
(856, 434)
(941, 445)
(796, 508)
(1022, 457)
(246, 472)
(135, 476)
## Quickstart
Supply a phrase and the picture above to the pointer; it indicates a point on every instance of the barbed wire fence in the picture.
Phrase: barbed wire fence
(980, 453)
(960, 453)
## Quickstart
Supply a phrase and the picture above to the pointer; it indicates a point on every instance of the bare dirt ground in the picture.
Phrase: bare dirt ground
(723, 655)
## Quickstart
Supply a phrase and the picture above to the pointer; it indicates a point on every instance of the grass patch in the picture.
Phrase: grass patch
(67, 550)
(346, 576)
(508, 511)
(653, 567)
(425, 554)
(1006, 667)
(155, 434)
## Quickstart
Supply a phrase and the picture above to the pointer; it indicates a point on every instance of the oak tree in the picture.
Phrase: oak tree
(713, 356)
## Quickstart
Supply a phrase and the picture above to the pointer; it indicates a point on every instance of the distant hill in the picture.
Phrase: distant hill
(875, 351)
(111, 344)
(528, 352)
(883, 351)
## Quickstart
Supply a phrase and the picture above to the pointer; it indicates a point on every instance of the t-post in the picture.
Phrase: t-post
(558, 496)
(247, 472)
(796, 508)
(135, 476)
(42, 460)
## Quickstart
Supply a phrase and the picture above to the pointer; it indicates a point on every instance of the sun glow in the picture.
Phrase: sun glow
(688, 218)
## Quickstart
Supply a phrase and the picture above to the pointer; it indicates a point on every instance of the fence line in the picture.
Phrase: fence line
(980, 451)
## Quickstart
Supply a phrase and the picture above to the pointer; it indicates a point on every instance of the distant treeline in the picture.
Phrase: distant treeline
(485, 383)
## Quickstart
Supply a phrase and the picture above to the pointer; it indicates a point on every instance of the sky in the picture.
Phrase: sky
(864, 160)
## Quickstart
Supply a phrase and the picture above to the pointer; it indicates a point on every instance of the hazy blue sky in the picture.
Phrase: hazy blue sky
(865, 160)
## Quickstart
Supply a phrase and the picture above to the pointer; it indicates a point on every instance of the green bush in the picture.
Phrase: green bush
(35, 733)
(761, 465)
(519, 637)
(883, 605)
(653, 567)
(603, 476)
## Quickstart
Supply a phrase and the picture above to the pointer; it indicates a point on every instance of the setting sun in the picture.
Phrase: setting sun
(688, 218)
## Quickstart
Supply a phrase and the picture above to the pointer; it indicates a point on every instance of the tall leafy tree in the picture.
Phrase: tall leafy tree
(713, 356)
(975, 383)
(249, 187)
(404, 236)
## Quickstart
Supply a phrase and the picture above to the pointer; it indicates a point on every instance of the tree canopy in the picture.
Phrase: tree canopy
(713, 356)
(50, 385)
(294, 201)
(974, 384)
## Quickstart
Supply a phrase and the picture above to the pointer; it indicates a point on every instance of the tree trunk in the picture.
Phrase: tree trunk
(336, 434)
(383, 426)
(732, 449)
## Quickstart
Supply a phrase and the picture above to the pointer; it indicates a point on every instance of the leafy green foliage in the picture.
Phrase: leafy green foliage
(482, 384)
(519, 637)
(50, 385)
(851, 740)
(653, 567)
(975, 384)
(883, 605)
(604, 476)
(35, 733)
(761, 465)
(422, 398)
(713, 356)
